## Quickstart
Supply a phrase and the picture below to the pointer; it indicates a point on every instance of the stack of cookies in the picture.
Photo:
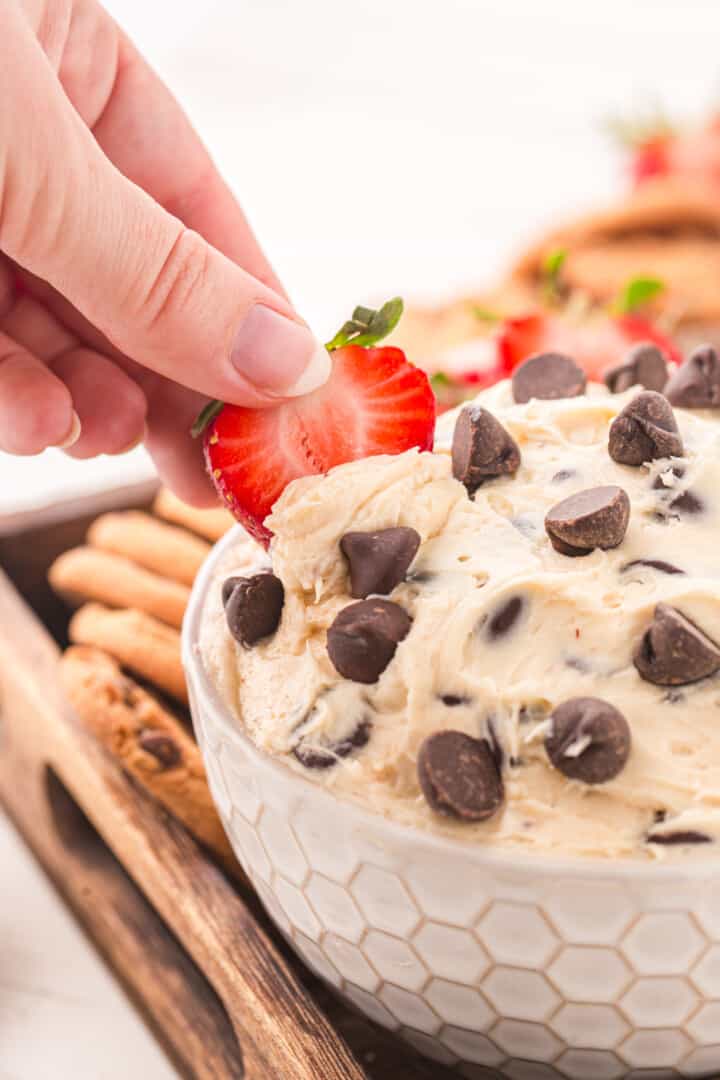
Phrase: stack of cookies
(667, 228)
(130, 584)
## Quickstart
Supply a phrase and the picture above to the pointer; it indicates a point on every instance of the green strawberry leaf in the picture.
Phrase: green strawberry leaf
(551, 271)
(638, 292)
(368, 326)
(652, 125)
(553, 263)
(439, 380)
(208, 414)
(485, 314)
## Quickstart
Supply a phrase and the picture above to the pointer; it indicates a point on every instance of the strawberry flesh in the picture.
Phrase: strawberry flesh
(597, 344)
(375, 402)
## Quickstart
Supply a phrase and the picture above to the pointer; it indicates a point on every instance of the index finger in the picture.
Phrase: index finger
(143, 130)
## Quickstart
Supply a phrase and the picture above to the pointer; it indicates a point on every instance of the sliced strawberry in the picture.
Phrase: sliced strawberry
(375, 402)
(453, 387)
(522, 336)
(597, 343)
(635, 328)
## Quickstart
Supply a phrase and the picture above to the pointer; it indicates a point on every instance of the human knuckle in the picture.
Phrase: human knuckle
(176, 282)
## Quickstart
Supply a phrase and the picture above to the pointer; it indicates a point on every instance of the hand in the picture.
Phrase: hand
(131, 286)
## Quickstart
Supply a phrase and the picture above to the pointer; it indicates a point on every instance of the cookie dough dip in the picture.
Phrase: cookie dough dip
(514, 638)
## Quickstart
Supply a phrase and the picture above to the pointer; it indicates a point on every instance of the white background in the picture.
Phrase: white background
(379, 147)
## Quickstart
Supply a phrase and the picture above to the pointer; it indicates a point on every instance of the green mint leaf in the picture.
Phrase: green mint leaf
(368, 326)
(208, 414)
(439, 380)
(637, 292)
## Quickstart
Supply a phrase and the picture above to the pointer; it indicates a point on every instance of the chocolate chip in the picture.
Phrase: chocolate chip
(482, 449)
(674, 651)
(675, 839)
(502, 622)
(253, 607)
(645, 366)
(421, 577)
(453, 700)
(161, 746)
(379, 560)
(363, 638)
(688, 503)
(696, 383)
(654, 564)
(323, 755)
(589, 519)
(562, 475)
(459, 777)
(590, 740)
(644, 431)
(228, 586)
(678, 471)
(548, 376)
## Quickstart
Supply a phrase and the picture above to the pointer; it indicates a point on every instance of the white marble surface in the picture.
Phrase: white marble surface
(62, 1014)
(379, 147)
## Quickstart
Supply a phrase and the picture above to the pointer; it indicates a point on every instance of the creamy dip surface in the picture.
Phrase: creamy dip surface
(504, 630)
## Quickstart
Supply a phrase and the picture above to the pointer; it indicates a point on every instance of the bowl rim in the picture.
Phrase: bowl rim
(497, 857)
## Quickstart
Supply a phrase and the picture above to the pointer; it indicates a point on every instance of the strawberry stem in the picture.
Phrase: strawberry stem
(206, 417)
(368, 326)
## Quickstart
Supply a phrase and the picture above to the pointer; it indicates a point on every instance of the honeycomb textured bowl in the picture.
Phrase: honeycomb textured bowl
(490, 961)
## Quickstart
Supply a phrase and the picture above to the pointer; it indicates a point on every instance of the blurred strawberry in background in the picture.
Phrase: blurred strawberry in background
(660, 149)
(597, 337)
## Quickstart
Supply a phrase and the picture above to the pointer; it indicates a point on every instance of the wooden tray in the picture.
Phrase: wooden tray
(222, 991)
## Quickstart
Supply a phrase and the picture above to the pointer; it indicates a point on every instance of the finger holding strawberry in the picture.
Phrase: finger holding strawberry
(375, 402)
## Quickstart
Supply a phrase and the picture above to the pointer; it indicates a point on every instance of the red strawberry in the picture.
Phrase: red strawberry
(375, 402)
(598, 342)
(651, 158)
(660, 150)
(522, 336)
(453, 387)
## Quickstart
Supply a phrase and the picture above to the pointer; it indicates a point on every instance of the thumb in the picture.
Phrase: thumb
(156, 289)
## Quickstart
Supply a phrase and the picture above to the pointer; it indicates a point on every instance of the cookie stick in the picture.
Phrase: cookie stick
(212, 524)
(136, 640)
(164, 549)
(86, 573)
(147, 741)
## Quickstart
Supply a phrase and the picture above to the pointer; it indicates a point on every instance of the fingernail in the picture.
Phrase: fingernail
(277, 355)
(73, 434)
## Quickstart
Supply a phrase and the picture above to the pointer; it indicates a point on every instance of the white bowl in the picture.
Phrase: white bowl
(490, 960)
